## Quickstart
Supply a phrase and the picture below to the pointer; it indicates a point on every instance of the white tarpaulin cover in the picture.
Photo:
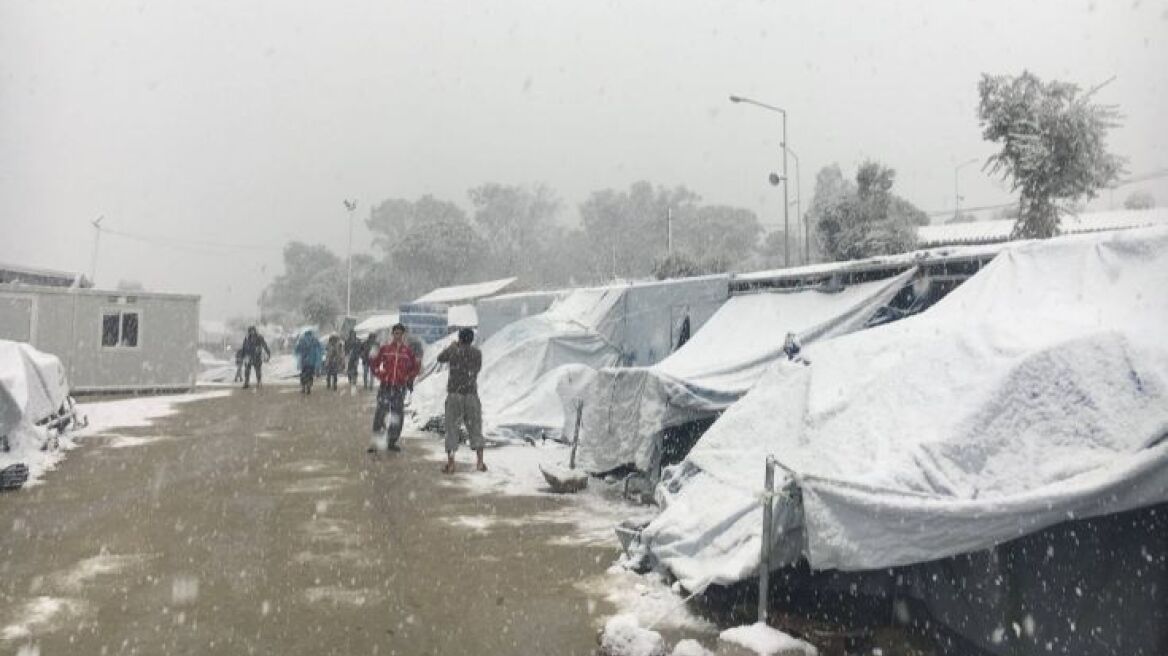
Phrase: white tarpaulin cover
(1035, 392)
(625, 408)
(32, 385)
(575, 330)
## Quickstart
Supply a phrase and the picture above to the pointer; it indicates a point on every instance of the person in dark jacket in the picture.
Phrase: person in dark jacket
(793, 351)
(395, 366)
(353, 347)
(462, 397)
(255, 353)
(333, 359)
(368, 351)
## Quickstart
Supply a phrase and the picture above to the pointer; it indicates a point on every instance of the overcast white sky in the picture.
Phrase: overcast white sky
(249, 122)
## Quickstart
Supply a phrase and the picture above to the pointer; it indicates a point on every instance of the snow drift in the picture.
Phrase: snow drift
(1034, 393)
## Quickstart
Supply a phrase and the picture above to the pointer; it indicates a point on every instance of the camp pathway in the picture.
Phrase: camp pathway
(256, 523)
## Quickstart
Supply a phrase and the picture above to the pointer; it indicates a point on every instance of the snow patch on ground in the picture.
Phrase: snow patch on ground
(622, 636)
(44, 614)
(88, 569)
(767, 641)
(135, 412)
(647, 598)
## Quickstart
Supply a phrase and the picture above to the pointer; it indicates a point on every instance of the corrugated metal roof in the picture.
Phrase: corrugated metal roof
(986, 232)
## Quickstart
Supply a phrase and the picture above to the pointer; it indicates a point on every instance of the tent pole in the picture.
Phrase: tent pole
(764, 564)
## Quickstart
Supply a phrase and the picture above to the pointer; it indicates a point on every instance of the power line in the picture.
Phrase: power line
(190, 245)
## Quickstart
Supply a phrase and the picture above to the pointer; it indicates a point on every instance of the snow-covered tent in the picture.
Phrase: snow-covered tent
(34, 404)
(626, 409)
(1034, 395)
(376, 323)
(526, 362)
(496, 312)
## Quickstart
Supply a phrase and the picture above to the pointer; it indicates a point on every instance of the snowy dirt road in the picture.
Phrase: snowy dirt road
(256, 523)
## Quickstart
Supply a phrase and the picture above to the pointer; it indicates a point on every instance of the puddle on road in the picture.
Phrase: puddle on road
(316, 485)
(480, 523)
(333, 531)
(341, 596)
(128, 441)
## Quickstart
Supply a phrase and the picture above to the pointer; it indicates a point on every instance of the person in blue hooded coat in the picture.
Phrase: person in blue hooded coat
(308, 355)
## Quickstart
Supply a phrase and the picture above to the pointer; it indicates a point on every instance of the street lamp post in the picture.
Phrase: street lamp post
(96, 240)
(799, 207)
(956, 195)
(350, 205)
(786, 181)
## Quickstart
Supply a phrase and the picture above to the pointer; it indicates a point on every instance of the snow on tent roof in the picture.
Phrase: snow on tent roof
(575, 330)
(465, 293)
(626, 407)
(982, 232)
(376, 322)
(462, 316)
(1035, 392)
(32, 384)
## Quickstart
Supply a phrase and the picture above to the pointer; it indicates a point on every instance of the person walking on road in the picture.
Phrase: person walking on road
(368, 351)
(462, 397)
(395, 365)
(353, 359)
(334, 357)
(308, 355)
(255, 353)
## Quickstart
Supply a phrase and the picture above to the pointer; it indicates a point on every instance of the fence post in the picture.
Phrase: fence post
(764, 564)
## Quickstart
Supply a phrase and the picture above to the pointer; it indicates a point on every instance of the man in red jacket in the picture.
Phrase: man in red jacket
(395, 365)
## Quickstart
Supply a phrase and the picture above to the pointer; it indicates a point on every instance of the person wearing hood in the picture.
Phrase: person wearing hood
(309, 355)
(255, 353)
(334, 357)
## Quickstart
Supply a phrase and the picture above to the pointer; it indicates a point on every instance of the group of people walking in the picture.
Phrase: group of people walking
(395, 365)
(349, 355)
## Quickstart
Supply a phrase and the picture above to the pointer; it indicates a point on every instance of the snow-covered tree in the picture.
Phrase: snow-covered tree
(868, 219)
(1139, 200)
(1053, 145)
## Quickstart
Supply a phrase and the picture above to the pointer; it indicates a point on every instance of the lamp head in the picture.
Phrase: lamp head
(735, 99)
(775, 179)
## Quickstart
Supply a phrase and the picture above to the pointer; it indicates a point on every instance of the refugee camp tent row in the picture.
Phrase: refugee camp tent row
(496, 312)
(1007, 450)
(528, 361)
(640, 417)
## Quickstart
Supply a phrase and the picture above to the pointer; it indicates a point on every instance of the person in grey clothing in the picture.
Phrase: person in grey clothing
(462, 397)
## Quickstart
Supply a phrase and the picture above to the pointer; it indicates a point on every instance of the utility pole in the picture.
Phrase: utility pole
(96, 240)
(669, 231)
(350, 205)
(957, 196)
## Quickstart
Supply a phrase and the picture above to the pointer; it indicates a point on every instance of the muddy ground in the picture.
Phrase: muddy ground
(258, 524)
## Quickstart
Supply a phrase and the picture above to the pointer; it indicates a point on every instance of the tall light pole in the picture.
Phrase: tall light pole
(956, 195)
(786, 181)
(350, 205)
(799, 207)
(96, 239)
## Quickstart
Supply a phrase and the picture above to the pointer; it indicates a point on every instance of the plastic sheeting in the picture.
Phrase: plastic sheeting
(32, 385)
(1035, 393)
(625, 409)
(525, 364)
(577, 330)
